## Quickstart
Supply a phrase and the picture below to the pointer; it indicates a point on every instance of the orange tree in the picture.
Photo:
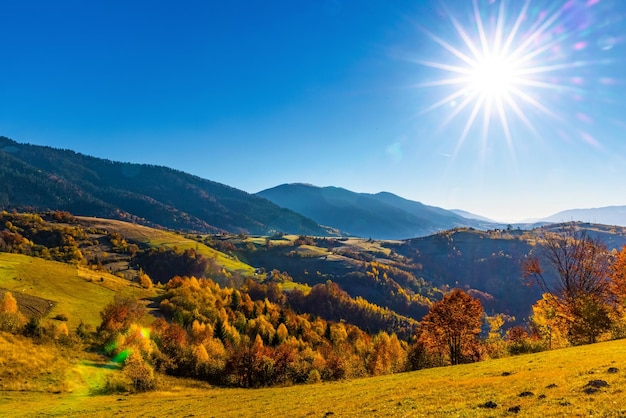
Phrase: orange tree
(452, 325)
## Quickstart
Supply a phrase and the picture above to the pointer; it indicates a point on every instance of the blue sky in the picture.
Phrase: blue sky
(366, 95)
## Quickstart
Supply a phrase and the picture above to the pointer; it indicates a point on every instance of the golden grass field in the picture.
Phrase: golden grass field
(459, 391)
(78, 292)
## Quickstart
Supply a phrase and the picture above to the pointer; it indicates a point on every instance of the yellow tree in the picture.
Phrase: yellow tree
(8, 303)
(11, 319)
(452, 325)
(550, 321)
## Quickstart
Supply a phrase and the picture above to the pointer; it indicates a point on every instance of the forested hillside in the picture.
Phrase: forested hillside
(44, 178)
(380, 216)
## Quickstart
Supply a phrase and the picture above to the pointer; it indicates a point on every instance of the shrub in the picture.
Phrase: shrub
(33, 328)
(116, 383)
(61, 317)
(314, 377)
(140, 373)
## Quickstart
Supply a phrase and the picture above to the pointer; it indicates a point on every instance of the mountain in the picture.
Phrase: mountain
(381, 216)
(469, 215)
(45, 178)
(608, 215)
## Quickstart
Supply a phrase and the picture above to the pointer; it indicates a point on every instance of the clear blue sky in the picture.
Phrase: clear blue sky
(366, 95)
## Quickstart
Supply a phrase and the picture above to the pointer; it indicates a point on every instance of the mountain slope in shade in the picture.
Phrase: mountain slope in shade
(44, 178)
(381, 216)
(608, 215)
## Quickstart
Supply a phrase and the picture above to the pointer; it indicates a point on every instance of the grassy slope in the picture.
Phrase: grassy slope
(450, 391)
(157, 238)
(77, 292)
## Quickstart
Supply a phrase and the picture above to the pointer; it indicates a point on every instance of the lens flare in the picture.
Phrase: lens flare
(514, 61)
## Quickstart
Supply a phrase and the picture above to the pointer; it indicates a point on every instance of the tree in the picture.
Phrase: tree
(11, 319)
(452, 325)
(118, 315)
(577, 279)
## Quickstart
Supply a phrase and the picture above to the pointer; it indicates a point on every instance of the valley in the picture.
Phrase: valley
(207, 297)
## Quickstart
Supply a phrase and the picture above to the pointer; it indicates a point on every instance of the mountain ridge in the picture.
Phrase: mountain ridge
(607, 215)
(46, 178)
(383, 215)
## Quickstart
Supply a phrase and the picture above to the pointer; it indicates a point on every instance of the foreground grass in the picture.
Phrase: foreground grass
(556, 380)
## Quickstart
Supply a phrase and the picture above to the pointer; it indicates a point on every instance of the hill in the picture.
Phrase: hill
(43, 178)
(403, 275)
(46, 288)
(608, 215)
(379, 216)
(269, 329)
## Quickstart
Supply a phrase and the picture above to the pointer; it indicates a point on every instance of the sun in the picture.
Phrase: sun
(503, 64)
(493, 78)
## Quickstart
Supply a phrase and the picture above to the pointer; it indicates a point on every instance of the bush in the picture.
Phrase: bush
(33, 328)
(116, 383)
(314, 377)
(140, 373)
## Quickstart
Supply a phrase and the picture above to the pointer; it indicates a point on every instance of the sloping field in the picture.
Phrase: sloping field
(74, 291)
(159, 238)
(550, 384)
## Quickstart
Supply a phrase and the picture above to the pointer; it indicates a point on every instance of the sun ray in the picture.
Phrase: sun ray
(481, 30)
(468, 125)
(446, 100)
(499, 28)
(516, 26)
(468, 99)
(450, 48)
(509, 61)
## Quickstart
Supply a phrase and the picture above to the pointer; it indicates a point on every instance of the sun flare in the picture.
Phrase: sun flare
(505, 62)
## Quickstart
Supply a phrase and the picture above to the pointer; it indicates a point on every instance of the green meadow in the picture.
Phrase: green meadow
(74, 291)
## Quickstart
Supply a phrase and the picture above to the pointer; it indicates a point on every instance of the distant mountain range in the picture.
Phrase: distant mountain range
(381, 216)
(43, 178)
(609, 215)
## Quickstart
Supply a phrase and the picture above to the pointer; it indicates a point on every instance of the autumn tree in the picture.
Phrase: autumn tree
(577, 278)
(118, 315)
(452, 325)
(11, 319)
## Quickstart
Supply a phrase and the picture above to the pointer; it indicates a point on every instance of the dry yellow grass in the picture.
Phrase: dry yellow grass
(459, 391)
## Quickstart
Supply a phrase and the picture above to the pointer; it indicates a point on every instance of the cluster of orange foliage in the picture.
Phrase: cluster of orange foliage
(221, 335)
